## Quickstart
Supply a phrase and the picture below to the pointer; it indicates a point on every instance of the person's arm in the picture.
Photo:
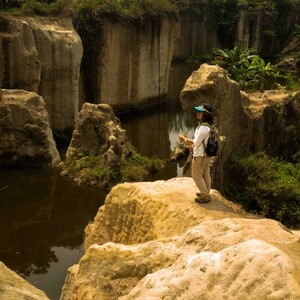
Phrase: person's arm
(186, 140)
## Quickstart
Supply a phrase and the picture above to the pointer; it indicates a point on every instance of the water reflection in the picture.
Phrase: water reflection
(155, 134)
(38, 211)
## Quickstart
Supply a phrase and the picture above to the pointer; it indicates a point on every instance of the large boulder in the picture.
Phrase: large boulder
(98, 129)
(98, 145)
(139, 212)
(249, 121)
(43, 55)
(26, 136)
(13, 286)
(210, 84)
(178, 247)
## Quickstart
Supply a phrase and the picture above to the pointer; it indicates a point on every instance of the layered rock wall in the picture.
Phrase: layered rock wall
(196, 37)
(266, 29)
(19, 58)
(131, 65)
(43, 56)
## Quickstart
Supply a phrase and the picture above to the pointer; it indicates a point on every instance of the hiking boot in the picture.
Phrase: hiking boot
(201, 198)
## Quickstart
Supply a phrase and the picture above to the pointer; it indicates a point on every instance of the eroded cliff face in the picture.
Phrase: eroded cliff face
(249, 121)
(26, 137)
(263, 121)
(126, 66)
(173, 246)
(266, 29)
(129, 65)
(13, 286)
(43, 56)
(196, 37)
(19, 61)
(274, 122)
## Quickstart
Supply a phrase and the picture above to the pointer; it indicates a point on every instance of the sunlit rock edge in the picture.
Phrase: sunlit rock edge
(177, 248)
(14, 287)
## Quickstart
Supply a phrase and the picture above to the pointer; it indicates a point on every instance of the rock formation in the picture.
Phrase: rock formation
(210, 84)
(153, 212)
(26, 137)
(196, 37)
(98, 134)
(179, 248)
(273, 114)
(19, 58)
(290, 57)
(43, 56)
(129, 66)
(266, 27)
(98, 129)
(13, 286)
(250, 122)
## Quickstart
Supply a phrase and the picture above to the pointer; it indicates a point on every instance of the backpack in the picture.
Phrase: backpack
(213, 146)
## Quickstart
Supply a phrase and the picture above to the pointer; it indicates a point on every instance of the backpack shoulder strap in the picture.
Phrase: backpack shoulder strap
(205, 124)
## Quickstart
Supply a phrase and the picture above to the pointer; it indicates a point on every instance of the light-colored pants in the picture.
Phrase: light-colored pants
(201, 173)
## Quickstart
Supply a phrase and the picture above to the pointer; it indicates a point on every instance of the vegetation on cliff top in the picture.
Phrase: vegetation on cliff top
(223, 10)
(251, 71)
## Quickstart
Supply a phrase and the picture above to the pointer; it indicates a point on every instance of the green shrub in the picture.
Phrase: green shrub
(248, 69)
(137, 167)
(297, 30)
(265, 185)
(128, 9)
(43, 8)
(292, 82)
(94, 169)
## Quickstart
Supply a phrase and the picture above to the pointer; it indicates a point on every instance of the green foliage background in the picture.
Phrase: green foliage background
(265, 185)
(251, 71)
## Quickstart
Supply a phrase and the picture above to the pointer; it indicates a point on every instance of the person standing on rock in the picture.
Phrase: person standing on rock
(200, 161)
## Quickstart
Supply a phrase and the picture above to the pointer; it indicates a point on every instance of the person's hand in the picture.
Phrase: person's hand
(181, 137)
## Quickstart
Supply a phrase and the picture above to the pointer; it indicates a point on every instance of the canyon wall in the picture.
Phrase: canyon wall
(125, 63)
(130, 61)
(196, 37)
(43, 55)
(266, 29)
(128, 66)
